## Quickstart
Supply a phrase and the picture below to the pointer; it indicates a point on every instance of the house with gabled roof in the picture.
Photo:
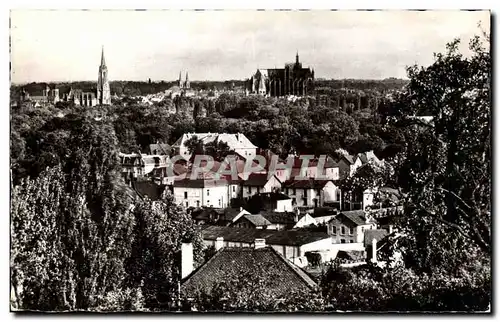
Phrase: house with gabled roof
(204, 192)
(311, 193)
(237, 142)
(257, 183)
(280, 276)
(217, 216)
(252, 221)
(292, 244)
(350, 226)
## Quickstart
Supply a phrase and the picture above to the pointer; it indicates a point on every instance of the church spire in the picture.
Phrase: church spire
(297, 57)
(103, 62)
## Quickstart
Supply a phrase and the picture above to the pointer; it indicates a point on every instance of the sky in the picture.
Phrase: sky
(59, 45)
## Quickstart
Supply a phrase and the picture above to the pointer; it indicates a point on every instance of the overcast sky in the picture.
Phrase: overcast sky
(221, 45)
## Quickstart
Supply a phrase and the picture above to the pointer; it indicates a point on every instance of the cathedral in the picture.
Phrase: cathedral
(291, 80)
(102, 94)
(103, 90)
(99, 96)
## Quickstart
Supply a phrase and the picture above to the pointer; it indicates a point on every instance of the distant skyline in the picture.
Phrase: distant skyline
(61, 45)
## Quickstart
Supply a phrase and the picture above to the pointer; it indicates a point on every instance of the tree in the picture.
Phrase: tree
(154, 265)
(71, 227)
(446, 166)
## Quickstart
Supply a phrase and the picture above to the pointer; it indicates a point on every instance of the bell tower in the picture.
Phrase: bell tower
(103, 89)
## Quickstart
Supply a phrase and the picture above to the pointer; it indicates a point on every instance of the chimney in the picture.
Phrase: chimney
(374, 250)
(219, 243)
(260, 243)
(296, 216)
(186, 259)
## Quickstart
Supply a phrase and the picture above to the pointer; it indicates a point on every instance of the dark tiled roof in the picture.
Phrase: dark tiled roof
(363, 157)
(305, 184)
(233, 234)
(286, 218)
(273, 196)
(378, 234)
(257, 220)
(160, 148)
(200, 183)
(355, 216)
(324, 211)
(256, 180)
(282, 277)
(204, 213)
(231, 213)
(348, 158)
(149, 189)
(296, 237)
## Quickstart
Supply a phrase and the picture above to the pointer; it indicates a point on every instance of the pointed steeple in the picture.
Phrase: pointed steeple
(297, 57)
(187, 78)
(103, 61)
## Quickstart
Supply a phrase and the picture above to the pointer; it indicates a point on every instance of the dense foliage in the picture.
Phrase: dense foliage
(82, 241)
(80, 238)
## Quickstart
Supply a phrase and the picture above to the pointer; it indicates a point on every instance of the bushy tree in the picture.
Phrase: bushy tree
(154, 265)
(70, 227)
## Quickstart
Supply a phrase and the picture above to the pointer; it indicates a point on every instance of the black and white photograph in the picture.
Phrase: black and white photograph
(250, 161)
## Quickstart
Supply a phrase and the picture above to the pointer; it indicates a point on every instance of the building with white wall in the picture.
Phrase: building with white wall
(350, 227)
(238, 143)
(201, 193)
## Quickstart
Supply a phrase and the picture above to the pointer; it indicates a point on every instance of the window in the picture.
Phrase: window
(249, 189)
(305, 201)
(351, 241)
(351, 231)
(197, 203)
(187, 204)
(294, 191)
(220, 202)
(258, 189)
(305, 193)
(185, 194)
(234, 189)
(208, 192)
(342, 241)
(334, 230)
(342, 230)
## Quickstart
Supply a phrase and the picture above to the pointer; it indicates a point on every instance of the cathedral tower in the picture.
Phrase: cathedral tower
(103, 90)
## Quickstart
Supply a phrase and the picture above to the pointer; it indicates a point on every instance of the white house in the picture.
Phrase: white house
(201, 193)
(312, 193)
(292, 244)
(238, 143)
(319, 169)
(259, 183)
(350, 227)
(137, 165)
